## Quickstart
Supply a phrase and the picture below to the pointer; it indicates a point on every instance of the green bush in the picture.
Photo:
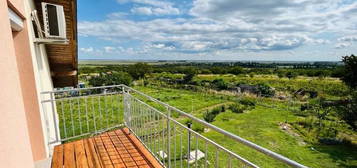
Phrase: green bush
(265, 90)
(209, 116)
(219, 84)
(237, 108)
(115, 78)
(247, 102)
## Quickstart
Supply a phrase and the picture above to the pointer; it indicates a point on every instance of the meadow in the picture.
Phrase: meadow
(261, 126)
(278, 124)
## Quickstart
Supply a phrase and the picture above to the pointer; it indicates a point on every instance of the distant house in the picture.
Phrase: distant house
(244, 88)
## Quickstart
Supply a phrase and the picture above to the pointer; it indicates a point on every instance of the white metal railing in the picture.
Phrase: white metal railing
(87, 111)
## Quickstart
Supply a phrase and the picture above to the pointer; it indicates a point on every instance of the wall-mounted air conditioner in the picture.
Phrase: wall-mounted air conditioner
(54, 21)
(54, 25)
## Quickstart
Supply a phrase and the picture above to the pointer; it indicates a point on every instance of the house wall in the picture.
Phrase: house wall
(29, 90)
(43, 80)
(15, 142)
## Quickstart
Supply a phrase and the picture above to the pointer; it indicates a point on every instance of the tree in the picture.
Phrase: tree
(350, 71)
(139, 70)
(236, 70)
(189, 74)
(115, 78)
(265, 90)
(281, 74)
(219, 84)
(349, 111)
(291, 75)
(98, 80)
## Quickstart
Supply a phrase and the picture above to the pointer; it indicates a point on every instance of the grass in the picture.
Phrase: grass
(81, 115)
(260, 125)
(328, 87)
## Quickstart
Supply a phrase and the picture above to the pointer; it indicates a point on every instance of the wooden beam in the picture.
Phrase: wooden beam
(64, 74)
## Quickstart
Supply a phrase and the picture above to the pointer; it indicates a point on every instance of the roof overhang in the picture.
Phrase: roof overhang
(63, 58)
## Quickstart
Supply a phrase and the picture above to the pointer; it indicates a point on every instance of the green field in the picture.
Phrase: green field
(276, 122)
(260, 126)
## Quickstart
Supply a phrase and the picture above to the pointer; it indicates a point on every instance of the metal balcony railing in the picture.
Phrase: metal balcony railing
(77, 113)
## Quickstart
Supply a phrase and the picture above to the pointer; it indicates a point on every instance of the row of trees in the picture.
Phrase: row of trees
(137, 70)
(121, 76)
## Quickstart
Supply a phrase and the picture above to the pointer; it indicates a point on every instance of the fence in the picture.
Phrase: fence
(83, 112)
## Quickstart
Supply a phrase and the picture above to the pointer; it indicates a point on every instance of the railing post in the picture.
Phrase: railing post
(168, 138)
(54, 116)
(189, 144)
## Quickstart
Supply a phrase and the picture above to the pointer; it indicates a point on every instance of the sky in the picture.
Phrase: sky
(242, 30)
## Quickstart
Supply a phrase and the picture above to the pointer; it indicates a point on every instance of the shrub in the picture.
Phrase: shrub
(237, 108)
(114, 78)
(247, 102)
(219, 84)
(265, 90)
(209, 116)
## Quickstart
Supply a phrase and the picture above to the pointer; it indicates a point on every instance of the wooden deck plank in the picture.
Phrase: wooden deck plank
(89, 154)
(126, 146)
(94, 153)
(57, 159)
(114, 149)
(103, 153)
(143, 151)
(81, 159)
(113, 153)
(69, 160)
(119, 148)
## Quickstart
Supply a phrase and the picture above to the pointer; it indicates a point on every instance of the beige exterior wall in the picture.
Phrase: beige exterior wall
(15, 144)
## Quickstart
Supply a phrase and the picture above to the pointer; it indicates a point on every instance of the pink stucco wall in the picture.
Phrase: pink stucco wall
(21, 139)
(29, 93)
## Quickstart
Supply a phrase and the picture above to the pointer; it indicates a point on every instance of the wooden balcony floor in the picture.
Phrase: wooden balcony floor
(114, 149)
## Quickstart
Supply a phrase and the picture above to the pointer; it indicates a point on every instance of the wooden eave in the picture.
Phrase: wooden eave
(63, 58)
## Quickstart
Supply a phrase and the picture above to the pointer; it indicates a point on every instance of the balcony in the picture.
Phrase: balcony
(116, 148)
(118, 126)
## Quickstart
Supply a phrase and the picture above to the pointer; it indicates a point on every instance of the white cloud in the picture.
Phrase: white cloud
(152, 7)
(342, 45)
(87, 50)
(348, 38)
(156, 3)
(109, 49)
(142, 10)
(155, 11)
(230, 25)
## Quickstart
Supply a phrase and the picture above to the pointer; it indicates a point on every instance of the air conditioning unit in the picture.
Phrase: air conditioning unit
(54, 21)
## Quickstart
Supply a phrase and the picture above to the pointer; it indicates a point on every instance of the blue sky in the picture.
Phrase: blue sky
(278, 30)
